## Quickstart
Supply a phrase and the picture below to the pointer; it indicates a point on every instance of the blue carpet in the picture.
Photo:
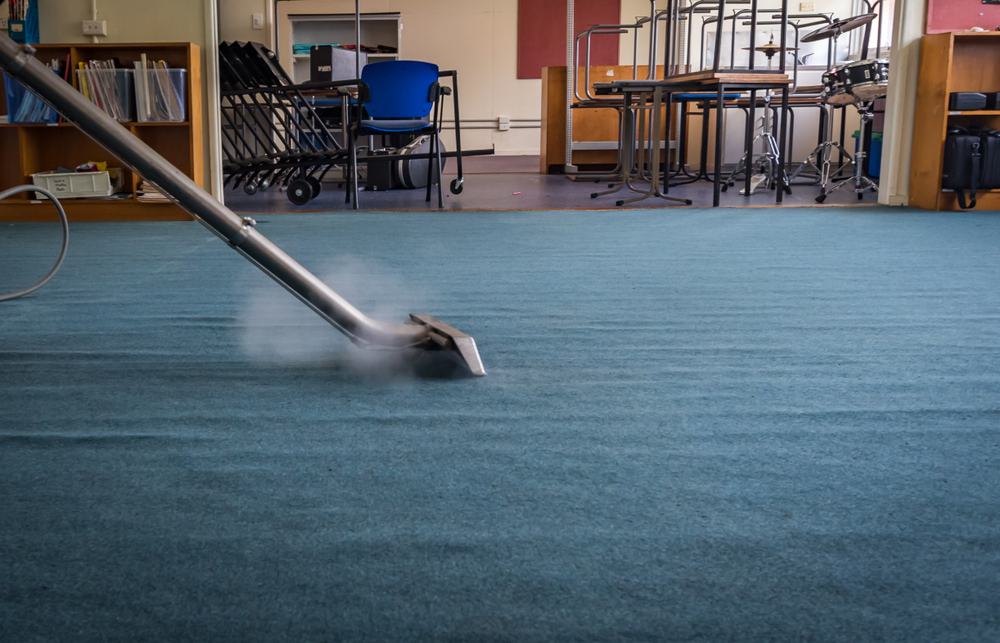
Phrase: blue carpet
(698, 425)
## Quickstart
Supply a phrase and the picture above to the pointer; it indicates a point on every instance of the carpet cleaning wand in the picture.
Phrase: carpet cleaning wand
(420, 331)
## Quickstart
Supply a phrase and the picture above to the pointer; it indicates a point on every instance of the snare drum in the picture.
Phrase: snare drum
(834, 91)
(865, 79)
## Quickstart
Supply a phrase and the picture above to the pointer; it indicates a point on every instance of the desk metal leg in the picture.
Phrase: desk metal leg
(751, 128)
(655, 123)
(783, 138)
(718, 144)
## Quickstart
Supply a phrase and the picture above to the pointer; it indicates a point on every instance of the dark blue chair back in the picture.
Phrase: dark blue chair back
(399, 88)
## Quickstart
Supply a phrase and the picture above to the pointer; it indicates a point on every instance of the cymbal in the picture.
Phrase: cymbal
(838, 27)
(771, 47)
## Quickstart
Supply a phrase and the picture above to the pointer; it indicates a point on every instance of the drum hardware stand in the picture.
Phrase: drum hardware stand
(769, 150)
(862, 183)
(820, 158)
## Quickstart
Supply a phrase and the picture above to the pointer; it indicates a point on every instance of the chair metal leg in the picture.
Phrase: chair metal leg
(437, 147)
(430, 169)
(350, 170)
(719, 135)
(354, 176)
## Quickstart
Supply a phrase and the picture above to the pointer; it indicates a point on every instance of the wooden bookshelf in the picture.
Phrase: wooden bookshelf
(28, 148)
(950, 62)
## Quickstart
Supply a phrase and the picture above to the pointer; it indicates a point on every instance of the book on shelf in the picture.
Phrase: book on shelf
(157, 97)
(148, 192)
(103, 83)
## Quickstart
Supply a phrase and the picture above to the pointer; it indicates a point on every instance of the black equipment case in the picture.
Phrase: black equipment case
(971, 163)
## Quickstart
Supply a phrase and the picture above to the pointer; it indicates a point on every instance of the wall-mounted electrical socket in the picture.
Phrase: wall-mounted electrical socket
(95, 27)
(503, 123)
(258, 21)
(807, 6)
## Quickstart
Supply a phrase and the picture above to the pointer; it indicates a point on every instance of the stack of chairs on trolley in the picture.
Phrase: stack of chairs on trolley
(272, 134)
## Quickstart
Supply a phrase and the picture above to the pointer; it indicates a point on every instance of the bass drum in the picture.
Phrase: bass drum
(866, 79)
(412, 173)
(834, 91)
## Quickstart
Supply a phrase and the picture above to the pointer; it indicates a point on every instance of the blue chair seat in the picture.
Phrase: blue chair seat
(691, 97)
(395, 124)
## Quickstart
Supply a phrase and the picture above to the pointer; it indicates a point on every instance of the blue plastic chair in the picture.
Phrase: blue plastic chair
(399, 96)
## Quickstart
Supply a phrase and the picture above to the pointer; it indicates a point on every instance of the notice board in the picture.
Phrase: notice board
(961, 15)
(541, 33)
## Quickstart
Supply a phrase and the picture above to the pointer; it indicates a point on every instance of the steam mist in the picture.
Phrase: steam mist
(279, 329)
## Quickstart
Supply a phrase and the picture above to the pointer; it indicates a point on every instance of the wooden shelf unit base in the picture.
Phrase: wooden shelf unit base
(43, 147)
(89, 210)
(950, 62)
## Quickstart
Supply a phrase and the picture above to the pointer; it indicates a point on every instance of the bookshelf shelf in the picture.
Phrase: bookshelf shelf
(28, 148)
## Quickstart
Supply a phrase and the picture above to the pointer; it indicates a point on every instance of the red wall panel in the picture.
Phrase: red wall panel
(541, 33)
(959, 15)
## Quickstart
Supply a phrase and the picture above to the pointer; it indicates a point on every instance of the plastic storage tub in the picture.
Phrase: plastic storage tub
(79, 185)
(23, 106)
(160, 96)
(110, 89)
(874, 159)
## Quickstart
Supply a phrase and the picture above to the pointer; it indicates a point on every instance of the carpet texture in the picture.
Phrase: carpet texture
(728, 425)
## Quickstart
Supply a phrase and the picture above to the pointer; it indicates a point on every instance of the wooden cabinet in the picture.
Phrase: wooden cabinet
(595, 131)
(27, 148)
(950, 62)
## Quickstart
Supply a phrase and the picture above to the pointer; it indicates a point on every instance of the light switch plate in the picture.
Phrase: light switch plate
(258, 21)
(807, 6)
(95, 27)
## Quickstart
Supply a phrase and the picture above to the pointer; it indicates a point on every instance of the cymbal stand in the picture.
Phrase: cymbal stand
(769, 154)
(862, 183)
(820, 158)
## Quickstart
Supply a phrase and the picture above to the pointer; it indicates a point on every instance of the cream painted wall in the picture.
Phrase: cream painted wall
(900, 109)
(478, 38)
(128, 20)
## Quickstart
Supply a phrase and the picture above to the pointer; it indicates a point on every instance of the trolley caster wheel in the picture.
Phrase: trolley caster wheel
(457, 185)
(250, 188)
(315, 184)
(299, 192)
(264, 184)
(821, 198)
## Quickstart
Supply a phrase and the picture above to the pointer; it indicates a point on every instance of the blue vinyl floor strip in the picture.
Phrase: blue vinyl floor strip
(698, 425)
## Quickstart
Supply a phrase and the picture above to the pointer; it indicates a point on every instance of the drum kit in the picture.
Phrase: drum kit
(857, 84)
